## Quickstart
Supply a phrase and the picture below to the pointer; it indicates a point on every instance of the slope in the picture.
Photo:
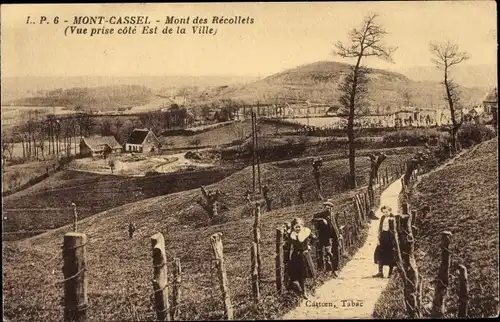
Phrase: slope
(463, 198)
(318, 82)
(119, 285)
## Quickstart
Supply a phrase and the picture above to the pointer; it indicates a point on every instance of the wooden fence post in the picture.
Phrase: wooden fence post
(176, 290)
(279, 260)
(75, 218)
(442, 280)
(255, 273)
(406, 208)
(399, 259)
(216, 243)
(367, 203)
(358, 208)
(414, 222)
(286, 256)
(361, 208)
(463, 294)
(75, 279)
(410, 266)
(160, 277)
(365, 206)
(256, 238)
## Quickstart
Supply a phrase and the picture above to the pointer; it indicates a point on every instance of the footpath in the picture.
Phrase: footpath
(353, 294)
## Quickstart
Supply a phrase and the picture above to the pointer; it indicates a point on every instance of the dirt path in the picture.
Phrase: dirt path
(354, 293)
(355, 284)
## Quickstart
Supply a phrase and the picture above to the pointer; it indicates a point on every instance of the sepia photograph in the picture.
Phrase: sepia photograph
(249, 161)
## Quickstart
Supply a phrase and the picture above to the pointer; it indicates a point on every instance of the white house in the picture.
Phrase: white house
(142, 141)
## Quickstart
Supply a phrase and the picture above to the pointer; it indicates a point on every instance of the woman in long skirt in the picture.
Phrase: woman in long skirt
(385, 253)
(300, 264)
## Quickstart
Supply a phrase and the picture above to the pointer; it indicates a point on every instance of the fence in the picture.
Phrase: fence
(404, 236)
(260, 279)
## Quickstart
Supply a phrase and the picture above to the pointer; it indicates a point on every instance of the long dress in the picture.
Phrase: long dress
(385, 253)
(300, 265)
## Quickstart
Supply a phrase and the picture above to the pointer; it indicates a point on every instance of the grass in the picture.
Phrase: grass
(464, 200)
(27, 171)
(119, 286)
(223, 135)
(47, 204)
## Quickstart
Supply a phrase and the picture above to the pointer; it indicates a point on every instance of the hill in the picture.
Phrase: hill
(463, 198)
(14, 88)
(90, 98)
(318, 82)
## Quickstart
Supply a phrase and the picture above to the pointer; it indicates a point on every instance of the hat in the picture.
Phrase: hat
(328, 203)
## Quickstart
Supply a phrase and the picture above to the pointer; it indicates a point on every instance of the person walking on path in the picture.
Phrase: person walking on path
(328, 237)
(300, 264)
(385, 254)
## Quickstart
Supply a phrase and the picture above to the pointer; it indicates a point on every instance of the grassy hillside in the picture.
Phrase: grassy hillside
(51, 199)
(464, 200)
(225, 134)
(319, 82)
(47, 205)
(119, 287)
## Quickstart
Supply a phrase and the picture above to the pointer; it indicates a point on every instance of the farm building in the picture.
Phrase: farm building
(490, 102)
(99, 145)
(142, 141)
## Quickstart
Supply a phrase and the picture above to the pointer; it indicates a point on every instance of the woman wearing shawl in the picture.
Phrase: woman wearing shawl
(385, 254)
(300, 264)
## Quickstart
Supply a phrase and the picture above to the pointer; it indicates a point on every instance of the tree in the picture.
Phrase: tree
(447, 55)
(106, 127)
(406, 95)
(363, 43)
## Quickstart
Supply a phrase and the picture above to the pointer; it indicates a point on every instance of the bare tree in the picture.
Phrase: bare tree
(7, 149)
(406, 94)
(364, 42)
(447, 55)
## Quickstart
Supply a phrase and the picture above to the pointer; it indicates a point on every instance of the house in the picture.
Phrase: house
(99, 146)
(490, 102)
(142, 141)
(336, 110)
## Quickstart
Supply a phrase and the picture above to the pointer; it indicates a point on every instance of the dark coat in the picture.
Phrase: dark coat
(300, 263)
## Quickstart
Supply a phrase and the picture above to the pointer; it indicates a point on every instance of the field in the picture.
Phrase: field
(287, 180)
(13, 115)
(224, 135)
(119, 289)
(464, 200)
(132, 165)
(46, 205)
(26, 172)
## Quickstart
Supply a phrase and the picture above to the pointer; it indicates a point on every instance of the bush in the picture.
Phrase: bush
(65, 160)
(472, 134)
(416, 137)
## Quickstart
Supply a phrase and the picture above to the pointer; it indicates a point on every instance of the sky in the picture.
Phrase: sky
(283, 35)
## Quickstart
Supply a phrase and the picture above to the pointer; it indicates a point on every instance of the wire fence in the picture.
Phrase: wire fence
(201, 291)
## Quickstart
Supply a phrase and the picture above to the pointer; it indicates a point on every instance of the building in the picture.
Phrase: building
(490, 102)
(99, 146)
(142, 141)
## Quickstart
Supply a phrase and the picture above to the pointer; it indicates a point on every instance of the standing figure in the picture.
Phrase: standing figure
(267, 198)
(300, 264)
(385, 252)
(131, 229)
(328, 237)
